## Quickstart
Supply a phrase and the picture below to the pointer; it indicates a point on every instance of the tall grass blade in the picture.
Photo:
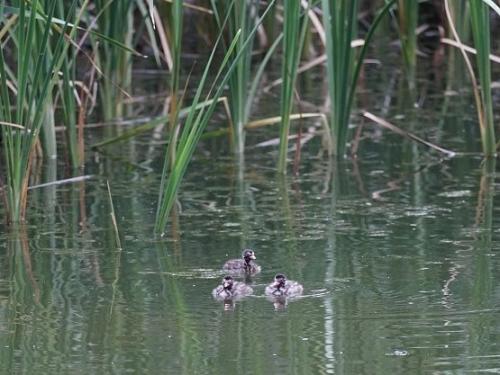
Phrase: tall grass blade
(67, 90)
(408, 22)
(480, 20)
(294, 31)
(38, 61)
(175, 101)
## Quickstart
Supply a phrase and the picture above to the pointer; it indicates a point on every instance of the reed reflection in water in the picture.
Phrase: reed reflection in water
(402, 285)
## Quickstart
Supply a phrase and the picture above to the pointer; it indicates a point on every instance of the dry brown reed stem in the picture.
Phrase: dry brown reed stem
(277, 119)
(62, 182)
(17, 126)
(454, 43)
(8, 25)
(394, 185)
(194, 7)
(82, 113)
(162, 34)
(320, 60)
(316, 22)
(386, 124)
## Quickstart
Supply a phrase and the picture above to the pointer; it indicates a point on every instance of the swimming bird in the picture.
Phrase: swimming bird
(231, 290)
(283, 287)
(246, 264)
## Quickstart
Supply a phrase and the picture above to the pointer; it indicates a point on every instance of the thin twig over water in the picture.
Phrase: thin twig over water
(386, 124)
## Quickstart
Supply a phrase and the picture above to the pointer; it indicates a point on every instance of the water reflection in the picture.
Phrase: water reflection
(404, 285)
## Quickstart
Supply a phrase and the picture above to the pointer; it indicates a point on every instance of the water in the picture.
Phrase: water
(398, 252)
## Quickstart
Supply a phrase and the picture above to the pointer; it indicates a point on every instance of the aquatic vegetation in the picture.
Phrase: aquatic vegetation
(480, 20)
(482, 88)
(242, 18)
(408, 22)
(340, 23)
(294, 31)
(26, 92)
(175, 32)
(391, 241)
(196, 122)
(343, 68)
(115, 21)
(243, 81)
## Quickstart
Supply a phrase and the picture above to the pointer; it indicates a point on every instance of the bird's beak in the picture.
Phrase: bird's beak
(253, 257)
(226, 285)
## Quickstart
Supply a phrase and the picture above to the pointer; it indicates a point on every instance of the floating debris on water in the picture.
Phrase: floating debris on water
(398, 353)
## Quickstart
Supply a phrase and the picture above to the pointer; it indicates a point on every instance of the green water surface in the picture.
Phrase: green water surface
(397, 250)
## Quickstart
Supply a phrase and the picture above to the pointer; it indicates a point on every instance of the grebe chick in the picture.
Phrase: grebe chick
(283, 287)
(231, 290)
(246, 264)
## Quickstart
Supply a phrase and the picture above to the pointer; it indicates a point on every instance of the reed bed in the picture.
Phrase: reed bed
(197, 119)
(25, 99)
(343, 68)
(56, 56)
(294, 30)
(242, 16)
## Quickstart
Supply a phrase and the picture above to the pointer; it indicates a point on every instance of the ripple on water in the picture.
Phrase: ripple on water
(200, 273)
(456, 194)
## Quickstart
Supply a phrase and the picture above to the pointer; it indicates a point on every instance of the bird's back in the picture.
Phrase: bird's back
(234, 264)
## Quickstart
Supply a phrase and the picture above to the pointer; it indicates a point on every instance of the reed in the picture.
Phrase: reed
(480, 21)
(33, 82)
(175, 33)
(190, 134)
(294, 31)
(408, 22)
(340, 22)
(343, 68)
(197, 120)
(114, 21)
(67, 92)
(479, 12)
(243, 18)
(459, 11)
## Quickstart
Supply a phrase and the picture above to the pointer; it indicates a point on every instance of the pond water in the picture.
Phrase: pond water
(397, 250)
